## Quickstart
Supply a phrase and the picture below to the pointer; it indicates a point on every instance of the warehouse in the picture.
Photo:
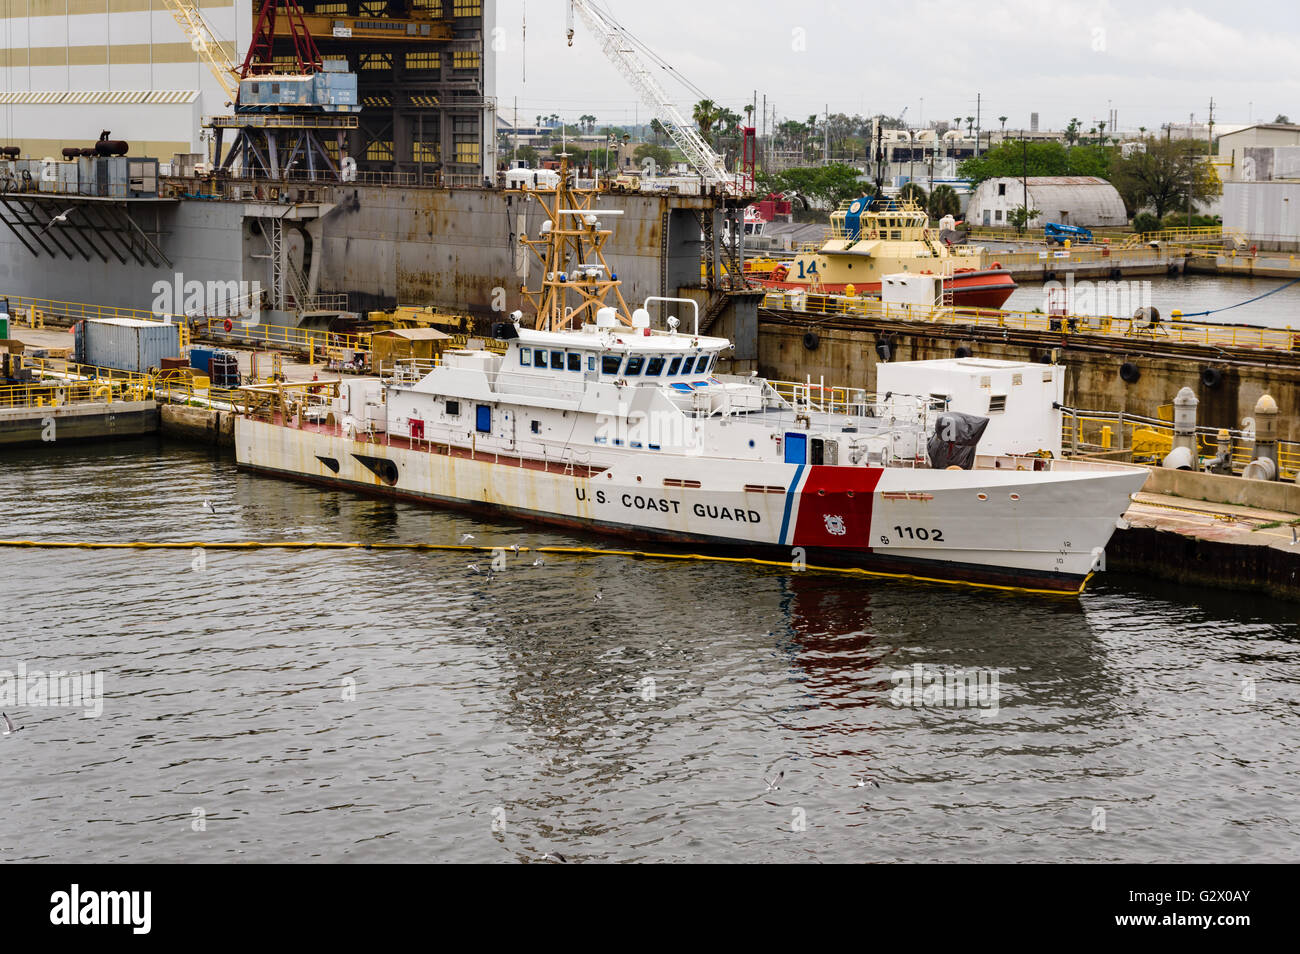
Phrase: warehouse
(1069, 200)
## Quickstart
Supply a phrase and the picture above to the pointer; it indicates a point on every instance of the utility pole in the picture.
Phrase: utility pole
(1024, 177)
(1211, 122)
(826, 137)
(977, 124)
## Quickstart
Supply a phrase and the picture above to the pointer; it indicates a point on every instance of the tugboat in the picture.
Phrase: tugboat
(873, 237)
(600, 418)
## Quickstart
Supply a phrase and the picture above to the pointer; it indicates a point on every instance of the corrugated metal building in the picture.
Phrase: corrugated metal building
(1266, 213)
(1069, 200)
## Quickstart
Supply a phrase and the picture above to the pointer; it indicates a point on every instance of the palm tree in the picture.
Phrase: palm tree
(749, 114)
(944, 201)
(956, 121)
(914, 193)
(1003, 121)
(705, 114)
(970, 125)
(1072, 131)
(1101, 128)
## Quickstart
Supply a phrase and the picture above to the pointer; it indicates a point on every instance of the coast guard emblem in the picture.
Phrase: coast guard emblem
(835, 525)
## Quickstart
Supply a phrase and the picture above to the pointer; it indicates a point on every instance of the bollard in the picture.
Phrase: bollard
(1105, 437)
(1266, 430)
(1185, 423)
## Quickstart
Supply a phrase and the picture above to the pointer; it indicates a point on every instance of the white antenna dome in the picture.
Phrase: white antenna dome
(641, 319)
(606, 318)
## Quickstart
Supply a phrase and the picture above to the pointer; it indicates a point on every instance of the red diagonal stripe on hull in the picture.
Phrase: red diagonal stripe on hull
(835, 497)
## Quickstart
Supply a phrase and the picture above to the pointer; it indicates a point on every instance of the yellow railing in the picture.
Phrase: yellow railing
(77, 311)
(1142, 438)
(309, 340)
(1233, 336)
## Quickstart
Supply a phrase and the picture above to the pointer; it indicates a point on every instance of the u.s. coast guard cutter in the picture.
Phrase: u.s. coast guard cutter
(596, 420)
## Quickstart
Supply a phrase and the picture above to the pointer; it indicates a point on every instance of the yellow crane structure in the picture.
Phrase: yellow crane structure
(204, 42)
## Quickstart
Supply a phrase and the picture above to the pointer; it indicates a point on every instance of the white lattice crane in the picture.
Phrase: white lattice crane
(204, 42)
(619, 47)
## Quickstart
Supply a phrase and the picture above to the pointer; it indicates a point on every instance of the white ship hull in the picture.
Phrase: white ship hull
(992, 525)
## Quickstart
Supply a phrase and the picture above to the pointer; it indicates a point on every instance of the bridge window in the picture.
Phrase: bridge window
(557, 360)
(453, 408)
(634, 364)
(575, 361)
(610, 363)
(674, 365)
(539, 359)
(655, 366)
(525, 356)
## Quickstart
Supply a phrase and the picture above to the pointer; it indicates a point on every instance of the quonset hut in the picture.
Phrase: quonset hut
(1068, 200)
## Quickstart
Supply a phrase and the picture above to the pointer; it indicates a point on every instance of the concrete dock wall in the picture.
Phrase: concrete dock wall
(200, 424)
(24, 426)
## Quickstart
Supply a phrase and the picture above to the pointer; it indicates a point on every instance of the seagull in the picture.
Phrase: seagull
(774, 782)
(515, 549)
(864, 782)
(59, 219)
(597, 598)
(208, 508)
(10, 728)
(466, 537)
(539, 562)
(473, 567)
(555, 856)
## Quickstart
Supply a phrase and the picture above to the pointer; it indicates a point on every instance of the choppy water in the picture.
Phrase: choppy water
(1188, 293)
(526, 701)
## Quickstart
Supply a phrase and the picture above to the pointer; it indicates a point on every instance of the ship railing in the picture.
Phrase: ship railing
(531, 385)
(407, 371)
(447, 439)
(1143, 439)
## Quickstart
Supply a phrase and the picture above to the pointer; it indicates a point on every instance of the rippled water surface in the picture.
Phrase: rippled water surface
(634, 727)
(1276, 301)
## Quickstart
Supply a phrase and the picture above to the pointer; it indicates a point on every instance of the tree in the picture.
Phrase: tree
(1020, 216)
(944, 201)
(661, 156)
(913, 193)
(1282, 118)
(970, 125)
(1072, 132)
(1014, 159)
(829, 185)
(1003, 121)
(587, 122)
(705, 114)
(1165, 177)
(528, 154)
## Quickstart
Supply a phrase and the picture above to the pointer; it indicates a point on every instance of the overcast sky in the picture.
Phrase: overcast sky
(1153, 61)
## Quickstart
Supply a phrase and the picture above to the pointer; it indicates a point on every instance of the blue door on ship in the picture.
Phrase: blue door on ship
(484, 422)
(796, 448)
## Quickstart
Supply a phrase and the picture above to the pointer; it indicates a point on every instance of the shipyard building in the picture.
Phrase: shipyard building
(1086, 201)
(425, 68)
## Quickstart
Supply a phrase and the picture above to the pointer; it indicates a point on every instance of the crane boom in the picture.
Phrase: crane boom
(204, 42)
(618, 50)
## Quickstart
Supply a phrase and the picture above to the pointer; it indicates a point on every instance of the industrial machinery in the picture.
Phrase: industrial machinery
(619, 48)
(1056, 233)
(283, 120)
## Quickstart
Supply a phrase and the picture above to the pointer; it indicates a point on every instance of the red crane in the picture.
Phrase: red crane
(260, 58)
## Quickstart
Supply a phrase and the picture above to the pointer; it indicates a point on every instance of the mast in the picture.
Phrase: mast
(571, 252)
